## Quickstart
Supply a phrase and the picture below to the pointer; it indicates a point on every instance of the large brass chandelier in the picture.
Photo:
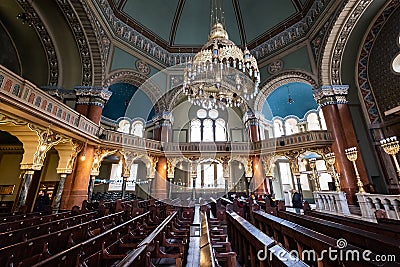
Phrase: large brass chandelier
(221, 74)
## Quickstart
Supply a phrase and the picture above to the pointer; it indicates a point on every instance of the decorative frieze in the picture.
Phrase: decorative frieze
(331, 94)
(91, 95)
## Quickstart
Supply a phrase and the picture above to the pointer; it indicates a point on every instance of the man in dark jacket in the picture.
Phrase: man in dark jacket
(42, 202)
(296, 201)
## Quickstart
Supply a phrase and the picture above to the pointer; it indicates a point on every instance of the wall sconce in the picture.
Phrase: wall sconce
(83, 157)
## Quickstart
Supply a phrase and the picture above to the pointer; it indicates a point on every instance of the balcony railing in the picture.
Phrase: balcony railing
(26, 96)
(301, 140)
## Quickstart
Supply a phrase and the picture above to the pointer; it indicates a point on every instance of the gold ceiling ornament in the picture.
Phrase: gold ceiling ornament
(221, 74)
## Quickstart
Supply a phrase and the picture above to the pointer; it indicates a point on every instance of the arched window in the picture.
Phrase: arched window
(278, 129)
(124, 126)
(137, 128)
(207, 127)
(220, 130)
(195, 131)
(291, 126)
(210, 174)
(322, 119)
(312, 122)
(208, 130)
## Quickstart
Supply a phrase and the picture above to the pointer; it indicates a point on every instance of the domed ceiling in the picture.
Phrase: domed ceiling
(183, 25)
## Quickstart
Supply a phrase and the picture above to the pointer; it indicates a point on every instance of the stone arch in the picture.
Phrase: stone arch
(335, 44)
(141, 81)
(278, 80)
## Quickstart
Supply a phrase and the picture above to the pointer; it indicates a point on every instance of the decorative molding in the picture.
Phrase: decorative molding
(44, 36)
(7, 119)
(128, 157)
(336, 42)
(81, 41)
(275, 67)
(76, 148)
(274, 44)
(142, 67)
(46, 140)
(99, 154)
(331, 95)
(91, 95)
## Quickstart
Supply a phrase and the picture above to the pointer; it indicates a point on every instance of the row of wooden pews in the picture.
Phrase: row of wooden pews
(219, 248)
(102, 249)
(392, 230)
(30, 220)
(29, 241)
(367, 239)
(43, 246)
(167, 244)
(254, 247)
(43, 227)
(314, 241)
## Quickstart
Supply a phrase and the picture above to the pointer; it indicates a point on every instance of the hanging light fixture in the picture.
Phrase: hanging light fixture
(221, 74)
(290, 99)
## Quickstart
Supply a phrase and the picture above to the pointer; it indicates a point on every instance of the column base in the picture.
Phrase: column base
(76, 198)
(350, 195)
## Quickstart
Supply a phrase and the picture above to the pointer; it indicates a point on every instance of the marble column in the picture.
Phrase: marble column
(90, 103)
(123, 190)
(163, 127)
(60, 189)
(349, 133)
(91, 187)
(328, 98)
(193, 174)
(252, 124)
(26, 182)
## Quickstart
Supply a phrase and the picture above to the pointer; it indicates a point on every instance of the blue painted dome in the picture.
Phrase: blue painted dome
(290, 99)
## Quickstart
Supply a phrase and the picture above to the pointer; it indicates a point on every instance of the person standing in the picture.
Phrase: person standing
(42, 202)
(296, 201)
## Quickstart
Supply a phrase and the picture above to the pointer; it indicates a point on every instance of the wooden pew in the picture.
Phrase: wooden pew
(377, 228)
(138, 255)
(377, 243)
(219, 248)
(24, 234)
(17, 216)
(35, 220)
(55, 242)
(92, 252)
(295, 237)
(246, 240)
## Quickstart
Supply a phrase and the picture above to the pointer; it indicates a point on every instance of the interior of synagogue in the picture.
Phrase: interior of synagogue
(199, 133)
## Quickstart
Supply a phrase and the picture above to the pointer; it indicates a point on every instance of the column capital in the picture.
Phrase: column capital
(163, 116)
(252, 118)
(331, 94)
(92, 95)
